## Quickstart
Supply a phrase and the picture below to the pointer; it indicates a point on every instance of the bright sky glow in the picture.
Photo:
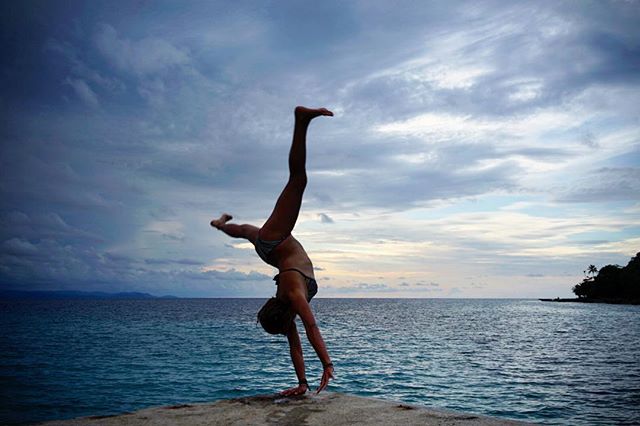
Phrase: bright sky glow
(479, 149)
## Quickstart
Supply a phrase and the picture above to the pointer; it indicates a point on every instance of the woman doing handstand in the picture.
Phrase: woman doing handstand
(277, 247)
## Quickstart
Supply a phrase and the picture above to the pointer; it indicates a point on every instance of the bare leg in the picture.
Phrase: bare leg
(248, 232)
(285, 213)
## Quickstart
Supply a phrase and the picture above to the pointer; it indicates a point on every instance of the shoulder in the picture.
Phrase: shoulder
(292, 288)
(300, 306)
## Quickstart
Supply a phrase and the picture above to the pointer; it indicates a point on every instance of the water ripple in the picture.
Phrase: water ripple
(548, 363)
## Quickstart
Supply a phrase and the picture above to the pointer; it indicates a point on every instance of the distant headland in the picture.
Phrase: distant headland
(610, 284)
(76, 295)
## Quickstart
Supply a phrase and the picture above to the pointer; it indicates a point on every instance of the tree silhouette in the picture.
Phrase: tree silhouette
(611, 282)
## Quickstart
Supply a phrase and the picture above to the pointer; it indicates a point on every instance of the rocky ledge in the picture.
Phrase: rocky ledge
(328, 408)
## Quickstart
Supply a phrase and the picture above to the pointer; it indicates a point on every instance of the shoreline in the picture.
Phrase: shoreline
(589, 300)
(311, 409)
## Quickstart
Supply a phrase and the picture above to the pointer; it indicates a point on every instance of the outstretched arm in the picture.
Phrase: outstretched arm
(295, 349)
(301, 307)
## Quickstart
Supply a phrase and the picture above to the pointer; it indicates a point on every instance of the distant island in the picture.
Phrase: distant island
(75, 294)
(610, 284)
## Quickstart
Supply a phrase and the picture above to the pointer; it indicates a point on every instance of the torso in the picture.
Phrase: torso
(290, 254)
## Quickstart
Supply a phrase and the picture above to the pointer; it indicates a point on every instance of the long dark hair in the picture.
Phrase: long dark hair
(276, 316)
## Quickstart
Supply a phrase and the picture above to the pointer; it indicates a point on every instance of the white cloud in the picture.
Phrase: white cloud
(80, 69)
(153, 91)
(146, 56)
(19, 247)
(514, 130)
(325, 218)
(83, 91)
(525, 90)
(448, 75)
(167, 229)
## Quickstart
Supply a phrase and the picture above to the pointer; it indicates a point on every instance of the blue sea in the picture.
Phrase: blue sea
(555, 363)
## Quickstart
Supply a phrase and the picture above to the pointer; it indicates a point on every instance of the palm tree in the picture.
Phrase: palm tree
(592, 269)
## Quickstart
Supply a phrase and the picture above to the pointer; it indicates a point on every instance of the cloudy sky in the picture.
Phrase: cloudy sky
(479, 149)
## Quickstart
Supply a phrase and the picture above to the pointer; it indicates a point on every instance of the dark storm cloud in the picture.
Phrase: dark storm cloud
(16, 224)
(51, 264)
(605, 184)
(125, 125)
(383, 181)
(325, 218)
(189, 262)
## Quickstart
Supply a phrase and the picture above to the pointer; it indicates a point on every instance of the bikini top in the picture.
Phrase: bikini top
(312, 286)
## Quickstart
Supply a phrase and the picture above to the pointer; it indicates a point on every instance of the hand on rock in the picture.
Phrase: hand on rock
(327, 374)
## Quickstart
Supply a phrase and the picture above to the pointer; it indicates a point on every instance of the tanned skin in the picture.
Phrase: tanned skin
(292, 288)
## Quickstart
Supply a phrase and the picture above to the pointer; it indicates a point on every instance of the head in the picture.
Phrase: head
(276, 316)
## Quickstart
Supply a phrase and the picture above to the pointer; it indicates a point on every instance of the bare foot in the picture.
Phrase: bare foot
(308, 114)
(217, 223)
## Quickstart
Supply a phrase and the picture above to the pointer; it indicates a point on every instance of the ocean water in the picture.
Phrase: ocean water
(555, 363)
